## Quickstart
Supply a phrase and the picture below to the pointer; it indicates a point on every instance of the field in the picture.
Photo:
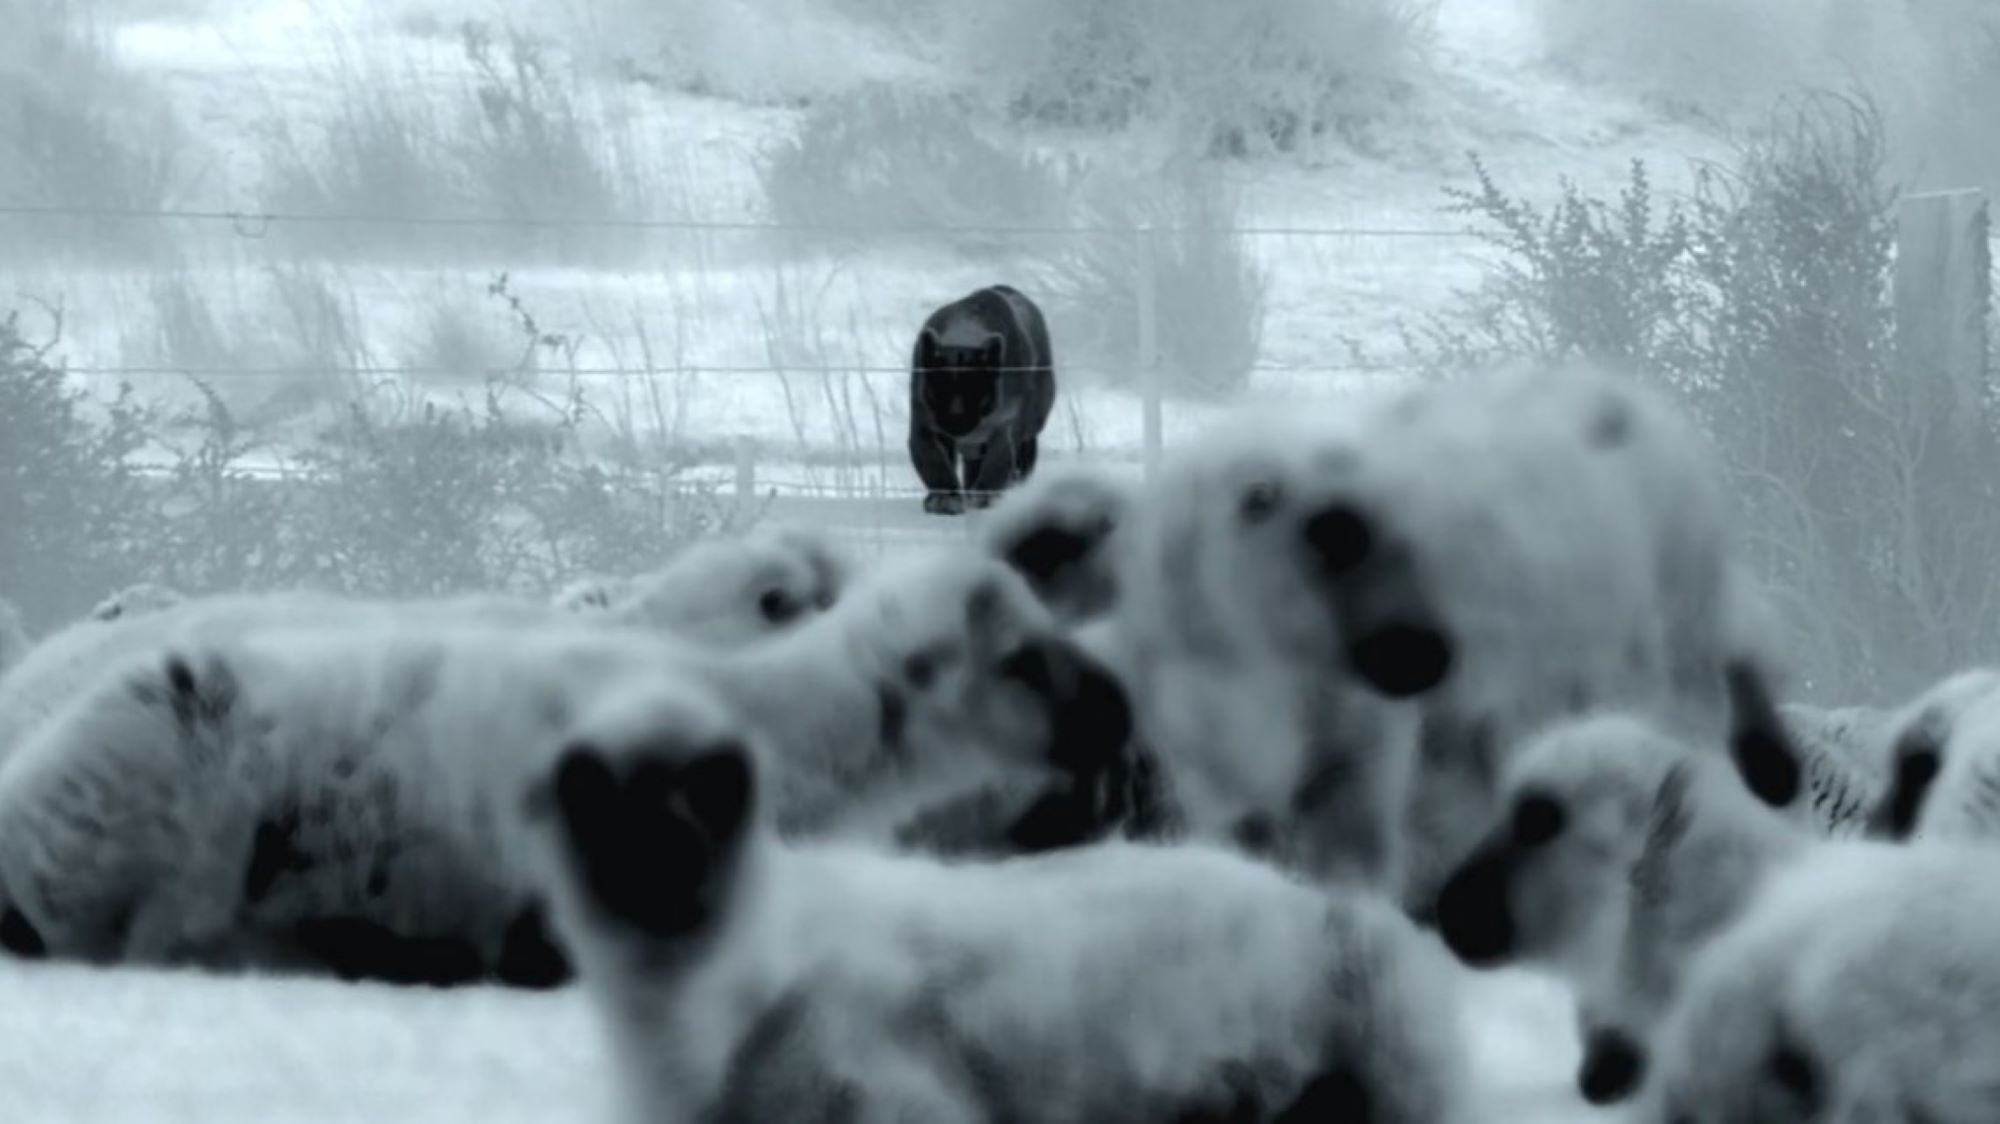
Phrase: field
(714, 321)
(154, 1046)
(718, 224)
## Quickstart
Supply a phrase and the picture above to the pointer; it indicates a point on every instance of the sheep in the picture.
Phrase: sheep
(744, 978)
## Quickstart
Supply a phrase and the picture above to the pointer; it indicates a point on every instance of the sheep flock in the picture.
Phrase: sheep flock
(1190, 799)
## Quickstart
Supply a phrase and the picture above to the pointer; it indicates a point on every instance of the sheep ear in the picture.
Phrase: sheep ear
(1761, 744)
(1917, 758)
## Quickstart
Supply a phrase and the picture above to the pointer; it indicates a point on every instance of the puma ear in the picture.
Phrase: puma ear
(927, 348)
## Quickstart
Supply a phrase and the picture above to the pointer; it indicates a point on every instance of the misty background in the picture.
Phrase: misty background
(426, 295)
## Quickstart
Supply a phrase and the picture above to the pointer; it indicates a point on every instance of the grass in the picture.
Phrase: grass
(512, 136)
(77, 131)
(874, 164)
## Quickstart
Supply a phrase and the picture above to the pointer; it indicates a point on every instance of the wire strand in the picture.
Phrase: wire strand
(248, 223)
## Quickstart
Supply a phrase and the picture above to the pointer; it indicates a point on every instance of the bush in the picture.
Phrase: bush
(1254, 75)
(1207, 290)
(1764, 301)
(405, 499)
(1932, 67)
(74, 511)
(761, 52)
(874, 163)
(517, 145)
(293, 347)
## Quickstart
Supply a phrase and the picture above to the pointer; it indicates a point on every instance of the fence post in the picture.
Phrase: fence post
(1146, 261)
(746, 476)
(1943, 284)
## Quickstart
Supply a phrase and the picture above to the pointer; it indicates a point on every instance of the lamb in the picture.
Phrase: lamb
(1584, 875)
(729, 591)
(1059, 531)
(1857, 987)
(309, 784)
(1944, 752)
(1435, 617)
(742, 978)
(724, 591)
(1710, 849)
(1667, 847)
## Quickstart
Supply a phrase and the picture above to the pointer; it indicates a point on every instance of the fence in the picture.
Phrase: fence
(783, 369)
(828, 449)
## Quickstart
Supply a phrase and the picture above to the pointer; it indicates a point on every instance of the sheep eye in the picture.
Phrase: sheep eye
(1260, 501)
(777, 606)
(1537, 820)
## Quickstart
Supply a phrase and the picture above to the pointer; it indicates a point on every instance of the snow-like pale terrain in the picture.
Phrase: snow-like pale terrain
(126, 1046)
(803, 354)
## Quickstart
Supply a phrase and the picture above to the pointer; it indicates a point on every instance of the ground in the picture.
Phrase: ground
(140, 1046)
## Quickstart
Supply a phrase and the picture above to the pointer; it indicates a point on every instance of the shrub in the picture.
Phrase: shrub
(1764, 301)
(761, 52)
(74, 512)
(518, 146)
(1255, 75)
(874, 163)
(396, 497)
(1206, 289)
(1932, 67)
(292, 347)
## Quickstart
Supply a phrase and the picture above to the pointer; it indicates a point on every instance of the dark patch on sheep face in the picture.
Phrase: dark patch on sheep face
(1341, 538)
(1612, 1068)
(1089, 712)
(274, 853)
(1918, 758)
(1538, 820)
(654, 836)
(1793, 1072)
(777, 606)
(923, 668)
(1090, 741)
(530, 955)
(1256, 834)
(1474, 912)
(1054, 558)
(1759, 742)
(1338, 1092)
(892, 721)
(196, 702)
(359, 948)
(19, 937)
(1044, 552)
(1394, 642)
